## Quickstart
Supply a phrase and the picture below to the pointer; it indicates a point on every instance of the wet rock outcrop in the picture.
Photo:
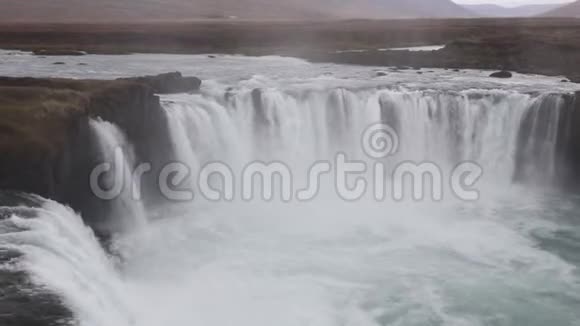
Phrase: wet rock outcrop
(46, 144)
(59, 52)
(172, 82)
(501, 74)
(523, 53)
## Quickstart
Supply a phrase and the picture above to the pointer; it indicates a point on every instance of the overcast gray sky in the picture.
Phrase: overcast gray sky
(512, 3)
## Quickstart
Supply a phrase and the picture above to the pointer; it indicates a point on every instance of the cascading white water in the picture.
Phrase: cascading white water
(540, 129)
(325, 262)
(62, 255)
(118, 154)
(299, 128)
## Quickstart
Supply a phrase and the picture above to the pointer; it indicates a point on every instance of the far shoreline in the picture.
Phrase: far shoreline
(544, 46)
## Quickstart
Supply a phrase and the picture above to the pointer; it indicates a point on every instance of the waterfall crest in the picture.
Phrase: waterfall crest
(489, 127)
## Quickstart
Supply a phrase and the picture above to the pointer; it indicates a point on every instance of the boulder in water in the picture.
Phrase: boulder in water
(501, 74)
(381, 74)
(58, 63)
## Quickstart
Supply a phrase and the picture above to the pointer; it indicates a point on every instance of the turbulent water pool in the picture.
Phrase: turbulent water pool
(510, 256)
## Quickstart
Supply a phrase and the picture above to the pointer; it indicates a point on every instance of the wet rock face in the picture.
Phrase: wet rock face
(501, 74)
(24, 304)
(169, 83)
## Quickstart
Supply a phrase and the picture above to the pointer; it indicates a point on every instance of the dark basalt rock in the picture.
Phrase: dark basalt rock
(229, 93)
(23, 303)
(59, 53)
(58, 63)
(501, 74)
(169, 83)
(380, 74)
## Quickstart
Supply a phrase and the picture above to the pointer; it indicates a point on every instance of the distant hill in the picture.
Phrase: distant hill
(135, 10)
(491, 10)
(570, 10)
(405, 9)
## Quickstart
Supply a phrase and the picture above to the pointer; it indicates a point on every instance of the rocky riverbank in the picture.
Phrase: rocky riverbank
(522, 54)
(46, 145)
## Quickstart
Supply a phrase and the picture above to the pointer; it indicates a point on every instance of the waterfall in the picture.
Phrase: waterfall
(539, 139)
(118, 159)
(299, 127)
(325, 262)
(59, 254)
